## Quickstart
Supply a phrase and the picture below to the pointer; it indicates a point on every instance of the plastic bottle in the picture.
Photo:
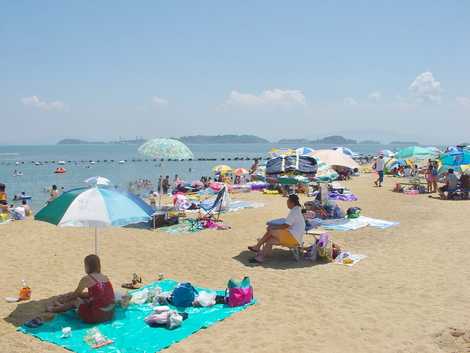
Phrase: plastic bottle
(25, 291)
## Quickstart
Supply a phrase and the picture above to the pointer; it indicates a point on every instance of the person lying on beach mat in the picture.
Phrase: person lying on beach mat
(94, 297)
(286, 232)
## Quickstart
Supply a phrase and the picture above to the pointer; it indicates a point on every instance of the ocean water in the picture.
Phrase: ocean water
(36, 179)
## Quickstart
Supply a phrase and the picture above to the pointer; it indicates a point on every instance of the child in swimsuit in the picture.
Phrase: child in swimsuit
(94, 297)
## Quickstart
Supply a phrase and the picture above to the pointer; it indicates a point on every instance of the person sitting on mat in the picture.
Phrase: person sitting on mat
(289, 233)
(94, 297)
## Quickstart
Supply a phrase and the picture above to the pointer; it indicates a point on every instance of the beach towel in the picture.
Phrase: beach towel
(343, 257)
(128, 330)
(345, 224)
(238, 205)
(333, 195)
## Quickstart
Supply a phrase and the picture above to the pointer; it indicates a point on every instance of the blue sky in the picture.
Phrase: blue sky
(365, 69)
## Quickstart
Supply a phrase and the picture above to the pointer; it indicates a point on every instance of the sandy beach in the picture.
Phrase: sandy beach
(404, 297)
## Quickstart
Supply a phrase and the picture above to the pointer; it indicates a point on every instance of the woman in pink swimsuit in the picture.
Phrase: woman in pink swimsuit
(94, 297)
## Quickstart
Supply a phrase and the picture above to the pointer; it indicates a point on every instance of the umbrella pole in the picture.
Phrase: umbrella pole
(96, 241)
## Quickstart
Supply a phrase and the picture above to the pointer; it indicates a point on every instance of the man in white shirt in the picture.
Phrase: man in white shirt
(379, 168)
(287, 232)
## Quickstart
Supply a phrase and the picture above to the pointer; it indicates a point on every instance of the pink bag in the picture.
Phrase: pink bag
(239, 296)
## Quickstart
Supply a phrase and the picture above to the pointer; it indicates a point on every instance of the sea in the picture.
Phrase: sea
(87, 160)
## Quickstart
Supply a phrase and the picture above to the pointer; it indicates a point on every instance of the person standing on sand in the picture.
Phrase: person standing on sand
(379, 168)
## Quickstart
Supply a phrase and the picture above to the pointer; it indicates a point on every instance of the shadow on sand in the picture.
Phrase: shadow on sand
(280, 260)
(28, 310)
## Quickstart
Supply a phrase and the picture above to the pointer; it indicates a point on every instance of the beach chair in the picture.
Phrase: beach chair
(208, 211)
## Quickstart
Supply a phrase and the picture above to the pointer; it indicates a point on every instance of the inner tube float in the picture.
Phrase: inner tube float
(60, 170)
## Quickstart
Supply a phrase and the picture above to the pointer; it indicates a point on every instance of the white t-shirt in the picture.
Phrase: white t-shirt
(296, 221)
(380, 165)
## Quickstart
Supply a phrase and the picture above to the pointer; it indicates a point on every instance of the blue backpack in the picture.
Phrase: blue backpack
(183, 295)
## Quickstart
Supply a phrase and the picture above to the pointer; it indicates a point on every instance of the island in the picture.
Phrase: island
(71, 141)
(370, 142)
(221, 139)
(329, 140)
(408, 143)
(295, 141)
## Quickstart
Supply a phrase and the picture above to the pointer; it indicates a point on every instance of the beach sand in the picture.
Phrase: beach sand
(404, 297)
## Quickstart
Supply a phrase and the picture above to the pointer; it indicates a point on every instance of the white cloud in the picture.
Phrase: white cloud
(350, 101)
(36, 102)
(375, 96)
(159, 101)
(273, 97)
(425, 88)
(463, 101)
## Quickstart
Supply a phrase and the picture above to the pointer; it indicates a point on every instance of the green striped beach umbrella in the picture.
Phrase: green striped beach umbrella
(95, 207)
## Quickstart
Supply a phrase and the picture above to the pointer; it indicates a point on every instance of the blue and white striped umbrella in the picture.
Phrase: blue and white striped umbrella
(304, 151)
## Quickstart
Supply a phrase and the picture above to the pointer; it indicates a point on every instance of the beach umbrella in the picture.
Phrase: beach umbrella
(455, 158)
(345, 151)
(98, 180)
(414, 152)
(241, 171)
(304, 151)
(386, 153)
(334, 157)
(221, 169)
(95, 207)
(165, 148)
(325, 173)
(292, 180)
(280, 152)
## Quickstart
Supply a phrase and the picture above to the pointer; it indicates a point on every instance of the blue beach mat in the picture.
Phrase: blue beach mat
(128, 330)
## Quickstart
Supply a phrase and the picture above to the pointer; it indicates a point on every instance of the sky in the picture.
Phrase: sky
(100, 70)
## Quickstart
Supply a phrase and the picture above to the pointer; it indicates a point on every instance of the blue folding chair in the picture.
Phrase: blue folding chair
(214, 207)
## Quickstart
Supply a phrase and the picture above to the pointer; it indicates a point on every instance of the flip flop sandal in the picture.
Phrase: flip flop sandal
(131, 285)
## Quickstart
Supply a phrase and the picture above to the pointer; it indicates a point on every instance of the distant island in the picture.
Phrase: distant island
(329, 140)
(207, 139)
(370, 142)
(136, 141)
(408, 143)
(295, 141)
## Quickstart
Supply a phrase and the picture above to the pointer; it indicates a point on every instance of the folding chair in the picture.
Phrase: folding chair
(215, 207)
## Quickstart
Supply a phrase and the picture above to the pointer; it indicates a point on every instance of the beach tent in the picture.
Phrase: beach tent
(392, 163)
(95, 207)
(414, 153)
(292, 163)
(335, 158)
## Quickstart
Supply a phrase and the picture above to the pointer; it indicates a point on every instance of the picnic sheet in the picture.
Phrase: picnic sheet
(345, 224)
(128, 330)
